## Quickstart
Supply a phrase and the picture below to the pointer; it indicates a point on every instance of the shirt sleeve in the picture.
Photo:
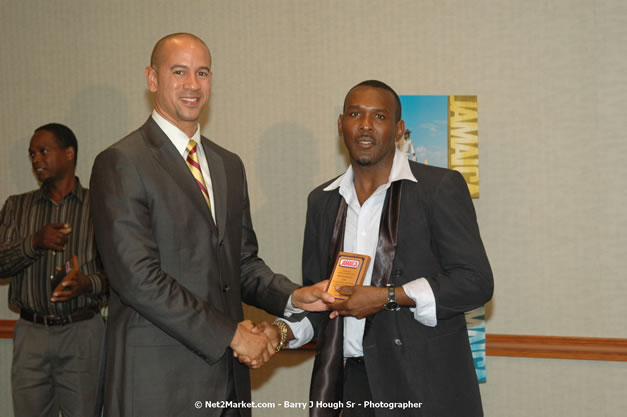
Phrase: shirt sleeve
(421, 293)
(16, 252)
(303, 330)
(94, 270)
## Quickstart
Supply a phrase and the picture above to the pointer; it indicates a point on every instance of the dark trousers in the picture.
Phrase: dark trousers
(356, 389)
(231, 396)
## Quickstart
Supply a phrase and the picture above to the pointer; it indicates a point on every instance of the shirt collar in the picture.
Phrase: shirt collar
(400, 171)
(78, 192)
(178, 138)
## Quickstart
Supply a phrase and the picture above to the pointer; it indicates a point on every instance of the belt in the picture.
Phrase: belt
(356, 360)
(50, 320)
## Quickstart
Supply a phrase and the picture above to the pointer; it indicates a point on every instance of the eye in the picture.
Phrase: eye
(353, 114)
(380, 116)
(203, 74)
(178, 72)
(44, 151)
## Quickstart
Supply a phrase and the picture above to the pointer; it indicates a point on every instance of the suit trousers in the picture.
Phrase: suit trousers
(356, 389)
(231, 396)
(58, 368)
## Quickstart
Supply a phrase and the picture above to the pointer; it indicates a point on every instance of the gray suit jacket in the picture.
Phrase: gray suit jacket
(438, 238)
(177, 278)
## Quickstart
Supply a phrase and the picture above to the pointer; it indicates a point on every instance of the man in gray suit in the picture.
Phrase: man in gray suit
(172, 221)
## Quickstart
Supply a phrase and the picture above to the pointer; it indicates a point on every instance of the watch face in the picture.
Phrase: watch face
(392, 306)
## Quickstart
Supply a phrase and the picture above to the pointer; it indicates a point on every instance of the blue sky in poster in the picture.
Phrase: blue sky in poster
(426, 118)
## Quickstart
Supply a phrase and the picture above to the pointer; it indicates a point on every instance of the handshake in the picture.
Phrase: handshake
(254, 345)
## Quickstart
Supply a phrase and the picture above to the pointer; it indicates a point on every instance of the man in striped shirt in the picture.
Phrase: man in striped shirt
(58, 341)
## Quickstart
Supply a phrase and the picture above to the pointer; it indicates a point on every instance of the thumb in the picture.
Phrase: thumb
(345, 290)
(321, 291)
(327, 298)
(247, 324)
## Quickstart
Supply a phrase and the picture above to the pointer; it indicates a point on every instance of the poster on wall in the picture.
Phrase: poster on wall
(443, 131)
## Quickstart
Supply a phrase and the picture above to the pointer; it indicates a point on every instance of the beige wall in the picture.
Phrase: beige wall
(550, 76)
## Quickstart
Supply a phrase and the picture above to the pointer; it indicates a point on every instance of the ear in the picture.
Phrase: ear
(400, 129)
(151, 79)
(70, 153)
(339, 126)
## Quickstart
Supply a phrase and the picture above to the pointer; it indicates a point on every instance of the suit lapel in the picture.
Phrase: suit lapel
(173, 164)
(330, 213)
(219, 183)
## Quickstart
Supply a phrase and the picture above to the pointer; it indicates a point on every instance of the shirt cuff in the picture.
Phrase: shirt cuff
(29, 250)
(303, 332)
(421, 293)
(96, 287)
(290, 309)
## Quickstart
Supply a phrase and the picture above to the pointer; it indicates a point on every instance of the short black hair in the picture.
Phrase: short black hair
(383, 86)
(64, 135)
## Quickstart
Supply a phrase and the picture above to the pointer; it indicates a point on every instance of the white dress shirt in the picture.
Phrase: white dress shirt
(180, 140)
(361, 235)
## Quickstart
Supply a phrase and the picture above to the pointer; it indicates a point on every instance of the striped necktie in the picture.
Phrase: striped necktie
(194, 167)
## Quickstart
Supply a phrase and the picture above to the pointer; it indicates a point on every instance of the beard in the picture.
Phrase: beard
(364, 161)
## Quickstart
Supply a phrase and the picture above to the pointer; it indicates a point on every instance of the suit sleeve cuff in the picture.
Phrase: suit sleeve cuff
(290, 309)
(421, 293)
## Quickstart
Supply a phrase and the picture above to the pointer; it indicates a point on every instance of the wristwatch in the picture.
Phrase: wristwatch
(392, 304)
(282, 331)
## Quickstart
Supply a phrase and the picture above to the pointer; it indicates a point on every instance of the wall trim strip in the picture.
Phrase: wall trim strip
(557, 347)
(554, 347)
(6, 329)
(513, 345)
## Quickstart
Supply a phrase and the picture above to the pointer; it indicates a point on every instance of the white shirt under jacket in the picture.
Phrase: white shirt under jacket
(361, 236)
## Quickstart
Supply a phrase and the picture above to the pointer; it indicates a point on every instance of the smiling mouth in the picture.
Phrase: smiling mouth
(189, 100)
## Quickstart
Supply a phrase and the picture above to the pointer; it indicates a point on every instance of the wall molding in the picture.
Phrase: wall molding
(6, 329)
(557, 347)
(512, 345)
(554, 347)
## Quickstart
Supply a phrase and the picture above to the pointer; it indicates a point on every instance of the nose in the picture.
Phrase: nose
(365, 123)
(191, 82)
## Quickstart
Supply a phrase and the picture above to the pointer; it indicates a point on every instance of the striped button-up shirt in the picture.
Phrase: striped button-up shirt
(31, 269)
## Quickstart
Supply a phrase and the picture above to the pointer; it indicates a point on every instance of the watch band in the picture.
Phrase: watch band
(392, 304)
(283, 331)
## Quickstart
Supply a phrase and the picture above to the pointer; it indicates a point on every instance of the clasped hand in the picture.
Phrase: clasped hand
(254, 345)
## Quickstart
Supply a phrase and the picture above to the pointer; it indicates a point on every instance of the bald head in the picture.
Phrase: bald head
(156, 58)
(179, 75)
